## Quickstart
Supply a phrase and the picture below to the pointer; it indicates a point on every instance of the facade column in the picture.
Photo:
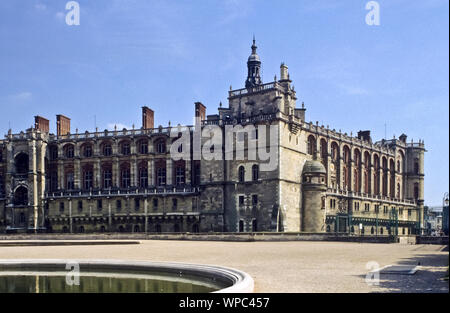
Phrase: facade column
(371, 181)
(151, 172)
(340, 177)
(97, 173)
(77, 174)
(188, 172)
(380, 181)
(134, 172)
(169, 172)
(116, 172)
(70, 216)
(352, 175)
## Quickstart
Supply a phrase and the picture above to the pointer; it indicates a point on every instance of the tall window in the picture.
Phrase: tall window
(255, 172)
(107, 178)
(88, 178)
(241, 174)
(143, 177)
(107, 149)
(87, 151)
(125, 148)
(161, 146)
(179, 175)
(69, 151)
(53, 153)
(196, 173)
(416, 191)
(70, 182)
(416, 166)
(311, 145)
(161, 176)
(125, 177)
(143, 146)
(1, 185)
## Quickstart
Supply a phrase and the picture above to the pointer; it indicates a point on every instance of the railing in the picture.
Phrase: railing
(244, 91)
(350, 194)
(123, 192)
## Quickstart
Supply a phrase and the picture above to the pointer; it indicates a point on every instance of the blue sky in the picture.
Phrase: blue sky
(169, 54)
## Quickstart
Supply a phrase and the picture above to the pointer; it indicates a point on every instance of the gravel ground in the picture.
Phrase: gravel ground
(279, 266)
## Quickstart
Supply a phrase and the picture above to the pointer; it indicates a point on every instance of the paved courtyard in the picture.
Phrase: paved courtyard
(279, 266)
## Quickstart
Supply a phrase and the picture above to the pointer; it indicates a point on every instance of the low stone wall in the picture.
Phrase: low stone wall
(242, 237)
(432, 240)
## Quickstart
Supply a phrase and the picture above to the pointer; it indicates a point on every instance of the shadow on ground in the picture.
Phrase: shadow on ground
(429, 278)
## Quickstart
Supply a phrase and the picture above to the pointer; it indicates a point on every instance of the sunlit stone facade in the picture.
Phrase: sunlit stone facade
(127, 181)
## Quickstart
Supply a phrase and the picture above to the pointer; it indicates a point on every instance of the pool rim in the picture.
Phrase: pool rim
(241, 282)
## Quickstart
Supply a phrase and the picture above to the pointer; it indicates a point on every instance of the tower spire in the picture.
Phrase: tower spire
(254, 68)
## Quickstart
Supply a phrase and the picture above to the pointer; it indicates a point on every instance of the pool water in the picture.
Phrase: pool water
(60, 282)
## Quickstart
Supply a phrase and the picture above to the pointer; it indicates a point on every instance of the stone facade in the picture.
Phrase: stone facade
(128, 181)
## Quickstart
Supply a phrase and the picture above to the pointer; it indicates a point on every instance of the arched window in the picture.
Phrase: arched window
(143, 146)
(125, 147)
(347, 168)
(21, 196)
(381, 230)
(136, 228)
(107, 149)
(255, 172)
(87, 150)
(21, 163)
(69, 151)
(372, 230)
(311, 145)
(416, 191)
(241, 174)
(334, 152)
(160, 146)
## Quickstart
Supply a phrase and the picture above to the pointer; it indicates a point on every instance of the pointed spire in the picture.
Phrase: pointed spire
(254, 47)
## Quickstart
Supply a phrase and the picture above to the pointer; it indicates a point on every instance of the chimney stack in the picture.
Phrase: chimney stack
(200, 111)
(364, 135)
(62, 125)
(148, 116)
(42, 124)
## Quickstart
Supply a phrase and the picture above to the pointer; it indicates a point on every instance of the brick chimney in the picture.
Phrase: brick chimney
(62, 125)
(42, 124)
(200, 111)
(148, 118)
